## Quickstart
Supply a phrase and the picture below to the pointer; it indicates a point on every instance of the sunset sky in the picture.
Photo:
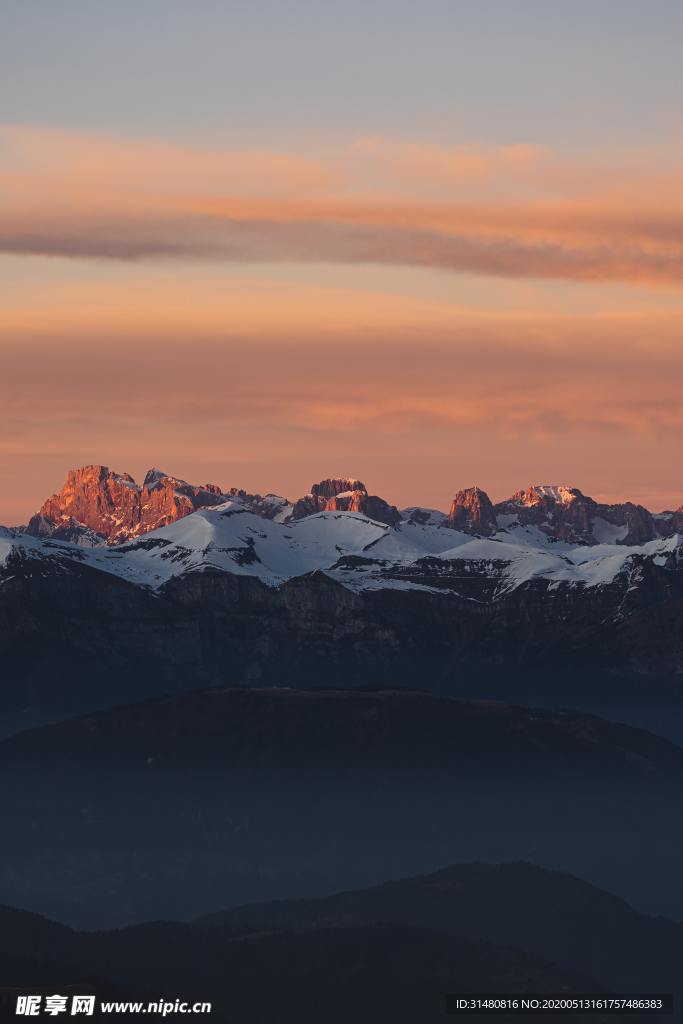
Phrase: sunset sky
(257, 243)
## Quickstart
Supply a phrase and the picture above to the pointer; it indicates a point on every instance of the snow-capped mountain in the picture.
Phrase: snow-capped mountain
(98, 506)
(564, 513)
(345, 494)
(225, 596)
(547, 585)
(357, 551)
(165, 528)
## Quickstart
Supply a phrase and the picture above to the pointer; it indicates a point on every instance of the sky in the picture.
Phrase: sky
(261, 243)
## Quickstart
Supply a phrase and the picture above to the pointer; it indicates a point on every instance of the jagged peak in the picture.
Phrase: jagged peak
(154, 476)
(423, 516)
(471, 494)
(97, 473)
(332, 486)
(113, 505)
(472, 512)
(561, 494)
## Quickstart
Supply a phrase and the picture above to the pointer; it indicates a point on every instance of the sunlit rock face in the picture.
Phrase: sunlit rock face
(99, 506)
(112, 507)
(472, 512)
(369, 504)
(323, 492)
(344, 494)
(332, 487)
(562, 512)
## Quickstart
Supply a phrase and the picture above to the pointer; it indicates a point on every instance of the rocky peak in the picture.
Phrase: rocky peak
(153, 477)
(68, 529)
(420, 516)
(472, 512)
(370, 505)
(337, 485)
(638, 525)
(268, 506)
(547, 495)
(97, 503)
(345, 494)
(94, 498)
(566, 514)
(676, 521)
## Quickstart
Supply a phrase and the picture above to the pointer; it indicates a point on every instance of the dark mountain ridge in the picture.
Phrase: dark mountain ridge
(548, 913)
(73, 637)
(506, 927)
(167, 803)
(357, 735)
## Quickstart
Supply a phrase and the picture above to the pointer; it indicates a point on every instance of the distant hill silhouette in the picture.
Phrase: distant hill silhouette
(388, 952)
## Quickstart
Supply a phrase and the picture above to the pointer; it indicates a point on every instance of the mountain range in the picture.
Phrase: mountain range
(211, 696)
(548, 593)
(97, 505)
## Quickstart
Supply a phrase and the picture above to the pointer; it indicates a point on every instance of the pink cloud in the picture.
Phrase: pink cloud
(96, 199)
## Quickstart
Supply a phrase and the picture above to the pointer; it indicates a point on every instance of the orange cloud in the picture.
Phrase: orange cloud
(268, 376)
(419, 411)
(372, 203)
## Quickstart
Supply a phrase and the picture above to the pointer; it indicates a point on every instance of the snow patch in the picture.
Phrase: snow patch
(353, 549)
(608, 533)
